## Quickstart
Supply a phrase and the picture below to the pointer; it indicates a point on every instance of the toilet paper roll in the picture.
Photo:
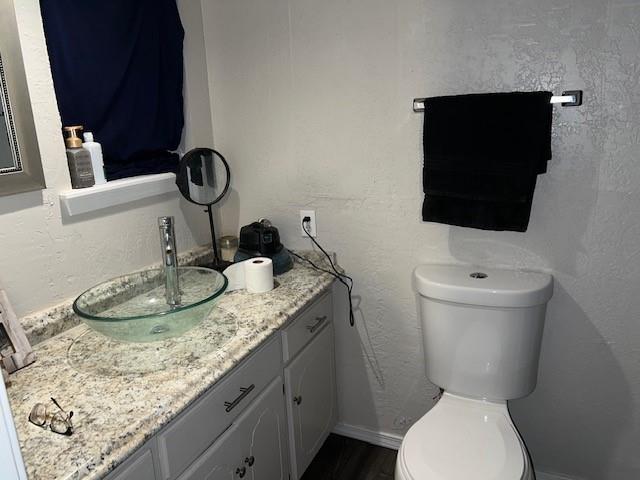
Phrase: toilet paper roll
(255, 274)
(235, 276)
(258, 275)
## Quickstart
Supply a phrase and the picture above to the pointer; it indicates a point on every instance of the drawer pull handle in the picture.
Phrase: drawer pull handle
(297, 400)
(243, 393)
(250, 461)
(241, 471)
(319, 321)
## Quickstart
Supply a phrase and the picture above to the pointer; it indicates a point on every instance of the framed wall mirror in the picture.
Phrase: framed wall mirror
(20, 165)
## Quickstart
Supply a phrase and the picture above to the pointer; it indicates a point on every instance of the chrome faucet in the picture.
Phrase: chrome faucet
(169, 259)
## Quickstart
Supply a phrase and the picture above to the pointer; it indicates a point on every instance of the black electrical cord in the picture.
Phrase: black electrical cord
(341, 277)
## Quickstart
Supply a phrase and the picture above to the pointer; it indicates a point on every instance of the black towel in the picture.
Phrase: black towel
(482, 155)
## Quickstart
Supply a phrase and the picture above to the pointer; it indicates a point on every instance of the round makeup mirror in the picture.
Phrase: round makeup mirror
(203, 178)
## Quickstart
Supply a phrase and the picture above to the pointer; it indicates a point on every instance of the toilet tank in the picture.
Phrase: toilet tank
(482, 328)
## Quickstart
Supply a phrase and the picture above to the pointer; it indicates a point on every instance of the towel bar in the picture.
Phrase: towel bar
(569, 98)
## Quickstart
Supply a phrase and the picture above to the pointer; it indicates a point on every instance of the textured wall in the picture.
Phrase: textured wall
(47, 258)
(312, 105)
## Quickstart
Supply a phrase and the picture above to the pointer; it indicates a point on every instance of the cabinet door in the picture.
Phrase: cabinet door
(311, 400)
(220, 461)
(266, 437)
(253, 448)
(140, 466)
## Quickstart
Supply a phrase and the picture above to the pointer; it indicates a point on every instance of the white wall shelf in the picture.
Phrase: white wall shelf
(116, 192)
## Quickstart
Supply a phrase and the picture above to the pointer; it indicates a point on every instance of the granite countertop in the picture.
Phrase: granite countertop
(123, 395)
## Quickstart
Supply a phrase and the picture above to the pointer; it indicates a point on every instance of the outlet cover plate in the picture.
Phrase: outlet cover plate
(312, 224)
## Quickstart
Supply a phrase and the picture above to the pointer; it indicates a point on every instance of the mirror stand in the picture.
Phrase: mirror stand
(203, 178)
(218, 264)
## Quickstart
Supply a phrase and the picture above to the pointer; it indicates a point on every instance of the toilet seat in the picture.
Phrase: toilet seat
(462, 439)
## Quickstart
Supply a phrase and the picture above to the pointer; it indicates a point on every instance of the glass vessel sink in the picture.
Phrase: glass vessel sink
(134, 308)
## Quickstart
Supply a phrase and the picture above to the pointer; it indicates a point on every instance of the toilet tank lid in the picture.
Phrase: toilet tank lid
(491, 287)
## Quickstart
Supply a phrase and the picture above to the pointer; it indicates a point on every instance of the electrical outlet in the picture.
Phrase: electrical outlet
(311, 226)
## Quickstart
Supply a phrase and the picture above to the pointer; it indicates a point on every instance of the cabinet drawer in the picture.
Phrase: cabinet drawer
(306, 326)
(196, 429)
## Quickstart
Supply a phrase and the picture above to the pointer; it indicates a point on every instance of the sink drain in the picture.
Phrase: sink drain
(159, 329)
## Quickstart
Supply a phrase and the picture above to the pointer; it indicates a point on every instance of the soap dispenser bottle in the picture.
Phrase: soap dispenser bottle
(78, 158)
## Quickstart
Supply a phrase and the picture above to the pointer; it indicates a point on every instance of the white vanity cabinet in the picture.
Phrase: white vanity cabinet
(265, 420)
(254, 447)
(311, 402)
(195, 429)
(310, 383)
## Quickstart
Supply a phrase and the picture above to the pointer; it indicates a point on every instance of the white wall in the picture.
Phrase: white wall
(312, 105)
(47, 258)
(198, 130)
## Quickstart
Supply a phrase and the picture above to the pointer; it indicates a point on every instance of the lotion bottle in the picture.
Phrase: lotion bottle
(97, 163)
(78, 158)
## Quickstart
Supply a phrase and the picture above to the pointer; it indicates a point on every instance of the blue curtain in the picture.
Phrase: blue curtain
(118, 70)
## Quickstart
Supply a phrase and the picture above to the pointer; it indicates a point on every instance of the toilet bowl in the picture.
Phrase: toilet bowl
(482, 330)
(463, 439)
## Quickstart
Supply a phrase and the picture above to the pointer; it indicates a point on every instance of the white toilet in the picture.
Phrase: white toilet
(482, 330)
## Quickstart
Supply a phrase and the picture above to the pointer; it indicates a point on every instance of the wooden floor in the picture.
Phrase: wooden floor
(342, 458)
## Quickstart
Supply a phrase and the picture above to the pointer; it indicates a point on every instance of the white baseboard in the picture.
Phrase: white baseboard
(381, 439)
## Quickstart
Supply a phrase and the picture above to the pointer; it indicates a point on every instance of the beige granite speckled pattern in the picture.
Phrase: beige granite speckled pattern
(107, 357)
(117, 413)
